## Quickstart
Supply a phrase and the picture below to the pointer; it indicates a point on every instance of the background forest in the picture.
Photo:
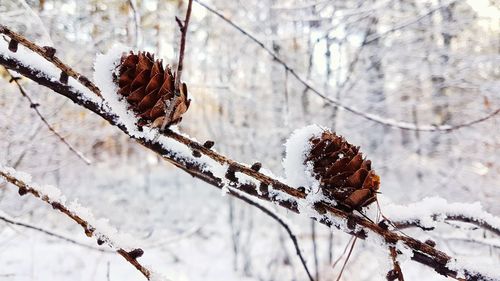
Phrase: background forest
(426, 63)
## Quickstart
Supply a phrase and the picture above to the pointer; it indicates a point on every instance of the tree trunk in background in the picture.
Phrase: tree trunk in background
(439, 89)
(375, 77)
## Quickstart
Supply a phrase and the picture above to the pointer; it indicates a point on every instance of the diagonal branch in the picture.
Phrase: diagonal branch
(49, 54)
(52, 196)
(53, 234)
(287, 228)
(34, 106)
(374, 118)
(396, 273)
(220, 171)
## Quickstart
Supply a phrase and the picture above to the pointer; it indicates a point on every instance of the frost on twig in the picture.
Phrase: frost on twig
(96, 228)
(427, 213)
(34, 106)
(7, 219)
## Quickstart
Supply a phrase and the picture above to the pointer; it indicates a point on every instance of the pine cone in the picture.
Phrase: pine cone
(149, 89)
(342, 172)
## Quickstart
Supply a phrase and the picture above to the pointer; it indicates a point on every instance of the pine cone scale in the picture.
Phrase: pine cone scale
(147, 87)
(343, 174)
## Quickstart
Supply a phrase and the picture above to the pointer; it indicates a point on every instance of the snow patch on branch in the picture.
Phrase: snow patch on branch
(105, 66)
(470, 269)
(49, 71)
(297, 147)
(431, 210)
(102, 229)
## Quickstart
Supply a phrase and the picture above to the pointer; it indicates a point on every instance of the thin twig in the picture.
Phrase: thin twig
(88, 228)
(169, 109)
(184, 30)
(271, 214)
(34, 106)
(334, 264)
(135, 14)
(410, 22)
(336, 103)
(50, 233)
(347, 259)
(396, 272)
(439, 217)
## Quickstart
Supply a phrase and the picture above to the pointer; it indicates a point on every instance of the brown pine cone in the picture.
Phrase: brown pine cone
(342, 172)
(149, 89)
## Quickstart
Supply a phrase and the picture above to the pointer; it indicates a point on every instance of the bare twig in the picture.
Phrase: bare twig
(438, 217)
(408, 23)
(50, 233)
(184, 29)
(34, 106)
(268, 188)
(334, 264)
(169, 109)
(88, 228)
(347, 259)
(135, 14)
(271, 214)
(396, 273)
(374, 118)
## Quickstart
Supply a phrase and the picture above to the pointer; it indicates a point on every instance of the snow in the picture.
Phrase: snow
(156, 276)
(465, 268)
(406, 253)
(105, 66)
(431, 210)
(297, 173)
(103, 230)
(297, 147)
(36, 62)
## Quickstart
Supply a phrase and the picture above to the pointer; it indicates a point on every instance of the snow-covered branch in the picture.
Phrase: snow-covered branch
(202, 162)
(96, 228)
(4, 217)
(427, 213)
(34, 106)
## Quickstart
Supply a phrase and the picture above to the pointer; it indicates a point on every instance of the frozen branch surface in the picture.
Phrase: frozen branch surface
(225, 173)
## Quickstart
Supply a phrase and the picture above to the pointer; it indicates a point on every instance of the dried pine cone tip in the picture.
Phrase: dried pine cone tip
(343, 174)
(149, 89)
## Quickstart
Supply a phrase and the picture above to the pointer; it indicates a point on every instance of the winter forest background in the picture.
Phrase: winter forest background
(426, 63)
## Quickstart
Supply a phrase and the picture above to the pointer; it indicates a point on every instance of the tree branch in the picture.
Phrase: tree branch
(184, 29)
(53, 234)
(270, 213)
(374, 118)
(24, 187)
(438, 217)
(396, 273)
(49, 54)
(220, 171)
(34, 106)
